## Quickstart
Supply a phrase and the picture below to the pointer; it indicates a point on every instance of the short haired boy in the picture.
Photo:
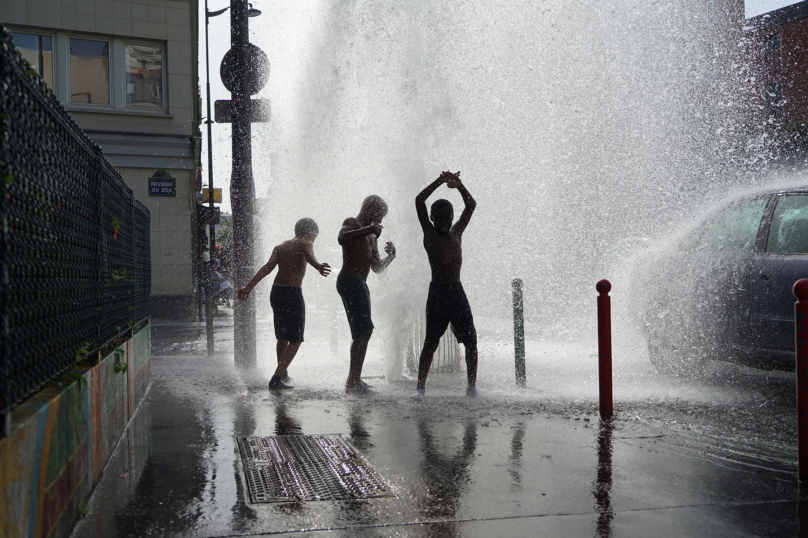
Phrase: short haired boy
(360, 253)
(447, 300)
(286, 297)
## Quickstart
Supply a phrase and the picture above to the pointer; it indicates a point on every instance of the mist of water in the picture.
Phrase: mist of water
(582, 129)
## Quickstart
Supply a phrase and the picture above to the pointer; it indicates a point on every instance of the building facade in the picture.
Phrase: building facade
(774, 39)
(126, 70)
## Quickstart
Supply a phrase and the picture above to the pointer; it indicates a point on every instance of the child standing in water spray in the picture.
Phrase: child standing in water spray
(360, 254)
(286, 297)
(446, 301)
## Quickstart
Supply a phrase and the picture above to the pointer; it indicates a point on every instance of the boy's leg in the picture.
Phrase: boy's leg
(471, 361)
(285, 359)
(356, 300)
(463, 327)
(359, 347)
(280, 347)
(425, 363)
(437, 321)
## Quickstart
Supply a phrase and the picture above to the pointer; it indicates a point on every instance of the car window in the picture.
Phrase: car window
(789, 230)
(735, 228)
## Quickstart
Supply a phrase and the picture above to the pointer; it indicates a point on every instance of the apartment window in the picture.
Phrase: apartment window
(772, 52)
(144, 76)
(89, 71)
(99, 73)
(774, 94)
(37, 49)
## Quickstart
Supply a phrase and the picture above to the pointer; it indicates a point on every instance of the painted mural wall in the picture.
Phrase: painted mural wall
(62, 438)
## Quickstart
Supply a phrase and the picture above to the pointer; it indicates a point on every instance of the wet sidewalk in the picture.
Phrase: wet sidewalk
(492, 466)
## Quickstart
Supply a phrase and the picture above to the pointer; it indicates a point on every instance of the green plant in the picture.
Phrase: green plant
(116, 225)
(71, 376)
(82, 352)
(83, 509)
(224, 236)
(119, 276)
(120, 365)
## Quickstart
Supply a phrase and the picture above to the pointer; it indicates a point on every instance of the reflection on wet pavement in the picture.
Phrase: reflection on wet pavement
(502, 465)
(284, 424)
(515, 459)
(603, 483)
(359, 436)
(445, 475)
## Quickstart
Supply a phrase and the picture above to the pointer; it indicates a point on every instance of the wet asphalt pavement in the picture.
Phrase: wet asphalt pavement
(708, 458)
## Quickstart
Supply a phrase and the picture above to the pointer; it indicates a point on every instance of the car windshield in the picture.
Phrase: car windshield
(789, 230)
(735, 228)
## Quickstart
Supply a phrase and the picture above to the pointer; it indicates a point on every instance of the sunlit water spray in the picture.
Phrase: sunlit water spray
(582, 129)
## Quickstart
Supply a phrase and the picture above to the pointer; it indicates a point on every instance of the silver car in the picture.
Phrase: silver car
(723, 291)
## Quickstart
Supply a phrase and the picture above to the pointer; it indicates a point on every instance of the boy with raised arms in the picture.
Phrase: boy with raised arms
(447, 300)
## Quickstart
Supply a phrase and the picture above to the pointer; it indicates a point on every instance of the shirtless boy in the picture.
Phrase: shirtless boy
(446, 301)
(360, 254)
(286, 297)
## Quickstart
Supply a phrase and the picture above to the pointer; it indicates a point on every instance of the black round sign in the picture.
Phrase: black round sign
(257, 69)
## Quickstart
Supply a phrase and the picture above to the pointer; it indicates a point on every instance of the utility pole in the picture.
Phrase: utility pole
(244, 71)
(241, 186)
(264, 66)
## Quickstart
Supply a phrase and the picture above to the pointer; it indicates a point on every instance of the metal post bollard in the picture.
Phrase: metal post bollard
(209, 309)
(605, 347)
(801, 349)
(519, 332)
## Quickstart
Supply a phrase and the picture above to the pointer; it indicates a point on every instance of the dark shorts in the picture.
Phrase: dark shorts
(356, 300)
(448, 303)
(289, 311)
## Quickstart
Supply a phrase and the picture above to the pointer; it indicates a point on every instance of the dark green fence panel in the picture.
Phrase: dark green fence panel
(74, 244)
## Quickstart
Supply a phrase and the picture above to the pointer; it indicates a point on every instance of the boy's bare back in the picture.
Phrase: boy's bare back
(291, 257)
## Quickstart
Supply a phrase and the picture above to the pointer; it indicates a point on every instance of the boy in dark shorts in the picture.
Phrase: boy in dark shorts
(447, 301)
(286, 297)
(360, 254)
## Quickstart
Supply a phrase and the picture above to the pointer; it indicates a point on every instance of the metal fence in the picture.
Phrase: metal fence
(74, 244)
(447, 357)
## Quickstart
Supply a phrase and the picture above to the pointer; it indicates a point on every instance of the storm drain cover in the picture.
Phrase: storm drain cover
(288, 468)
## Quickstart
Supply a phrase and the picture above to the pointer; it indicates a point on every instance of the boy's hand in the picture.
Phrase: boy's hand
(389, 249)
(243, 293)
(453, 180)
(324, 269)
(376, 229)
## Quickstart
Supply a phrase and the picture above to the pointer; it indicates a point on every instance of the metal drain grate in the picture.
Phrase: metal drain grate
(287, 468)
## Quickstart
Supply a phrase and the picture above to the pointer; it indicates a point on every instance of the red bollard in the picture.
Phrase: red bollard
(801, 350)
(605, 347)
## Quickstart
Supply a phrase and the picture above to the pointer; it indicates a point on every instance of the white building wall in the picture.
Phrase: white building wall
(138, 143)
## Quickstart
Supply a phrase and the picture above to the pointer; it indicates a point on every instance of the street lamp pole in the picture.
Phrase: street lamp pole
(241, 187)
(209, 122)
(212, 239)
